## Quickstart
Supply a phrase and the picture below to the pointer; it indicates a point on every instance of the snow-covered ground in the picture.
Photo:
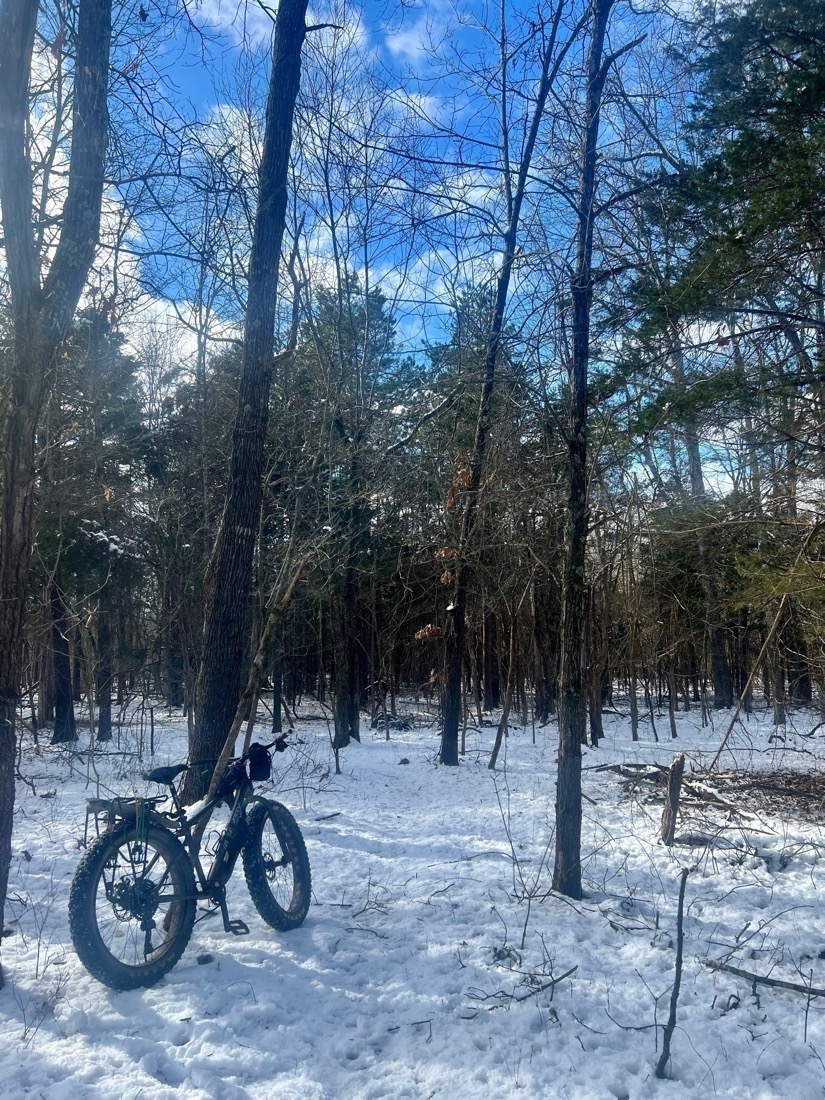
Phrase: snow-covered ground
(425, 966)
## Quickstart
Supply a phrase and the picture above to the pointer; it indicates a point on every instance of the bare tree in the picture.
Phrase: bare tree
(515, 173)
(229, 575)
(573, 693)
(42, 308)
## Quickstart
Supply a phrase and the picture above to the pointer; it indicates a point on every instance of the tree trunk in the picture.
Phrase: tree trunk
(780, 714)
(720, 669)
(567, 868)
(542, 699)
(672, 700)
(671, 808)
(346, 688)
(104, 676)
(40, 315)
(64, 721)
(491, 681)
(229, 575)
(45, 688)
(277, 677)
(349, 621)
(501, 732)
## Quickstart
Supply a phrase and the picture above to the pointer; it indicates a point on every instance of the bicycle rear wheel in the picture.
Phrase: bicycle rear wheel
(132, 906)
(276, 866)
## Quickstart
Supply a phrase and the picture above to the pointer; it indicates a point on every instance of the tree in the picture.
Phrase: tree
(734, 296)
(42, 307)
(229, 575)
(352, 338)
(573, 692)
(88, 543)
(554, 45)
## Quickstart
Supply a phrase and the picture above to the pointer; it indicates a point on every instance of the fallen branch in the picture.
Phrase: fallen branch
(777, 983)
(505, 999)
(547, 985)
(707, 794)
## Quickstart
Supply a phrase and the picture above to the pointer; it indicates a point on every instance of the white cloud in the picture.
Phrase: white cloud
(250, 24)
(412, 39)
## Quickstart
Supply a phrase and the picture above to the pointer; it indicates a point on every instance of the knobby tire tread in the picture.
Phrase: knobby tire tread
(284, 919)
(86, 937)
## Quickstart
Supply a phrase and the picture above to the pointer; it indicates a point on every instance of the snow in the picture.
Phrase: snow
(425, 966)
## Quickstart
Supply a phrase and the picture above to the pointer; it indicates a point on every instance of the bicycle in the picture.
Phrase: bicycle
(134, 895)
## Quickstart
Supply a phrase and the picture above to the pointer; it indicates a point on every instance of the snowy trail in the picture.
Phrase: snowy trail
(409, 978)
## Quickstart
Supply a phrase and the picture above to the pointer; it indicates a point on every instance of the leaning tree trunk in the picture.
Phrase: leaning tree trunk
(573, 696)
(229, 574)
(40, 315)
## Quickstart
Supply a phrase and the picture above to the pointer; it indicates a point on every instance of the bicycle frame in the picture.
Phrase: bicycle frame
(236, 790)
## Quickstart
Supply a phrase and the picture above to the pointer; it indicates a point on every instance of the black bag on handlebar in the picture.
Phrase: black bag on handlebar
(260, 762)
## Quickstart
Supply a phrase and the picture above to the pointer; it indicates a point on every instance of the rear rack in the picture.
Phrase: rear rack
(106, 812)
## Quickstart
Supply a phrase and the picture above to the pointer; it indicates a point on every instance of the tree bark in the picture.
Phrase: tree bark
(672, 699)
(501, 732)
(277, 676)
(346, 689)
(45, 687)
(229, 574)
(40, 315)
(573, 701)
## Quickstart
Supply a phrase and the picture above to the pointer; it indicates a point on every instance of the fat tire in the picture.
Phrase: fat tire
(87, 900)
(271, 825)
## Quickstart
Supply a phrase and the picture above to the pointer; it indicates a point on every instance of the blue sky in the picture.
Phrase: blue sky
(427, 59)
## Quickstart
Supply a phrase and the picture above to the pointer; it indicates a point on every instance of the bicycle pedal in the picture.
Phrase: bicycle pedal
(237, 927)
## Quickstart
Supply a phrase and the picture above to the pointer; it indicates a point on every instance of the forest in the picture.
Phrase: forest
(464, 353)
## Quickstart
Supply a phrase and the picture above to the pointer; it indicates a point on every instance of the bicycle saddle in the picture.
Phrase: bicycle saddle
(164, 775)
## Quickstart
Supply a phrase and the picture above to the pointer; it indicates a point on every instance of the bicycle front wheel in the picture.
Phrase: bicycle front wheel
(132, 906)
(276, 866)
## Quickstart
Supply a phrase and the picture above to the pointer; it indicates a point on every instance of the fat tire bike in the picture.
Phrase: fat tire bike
(134, 896)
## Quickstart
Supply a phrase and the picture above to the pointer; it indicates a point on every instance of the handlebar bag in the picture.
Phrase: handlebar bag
(260, 762)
